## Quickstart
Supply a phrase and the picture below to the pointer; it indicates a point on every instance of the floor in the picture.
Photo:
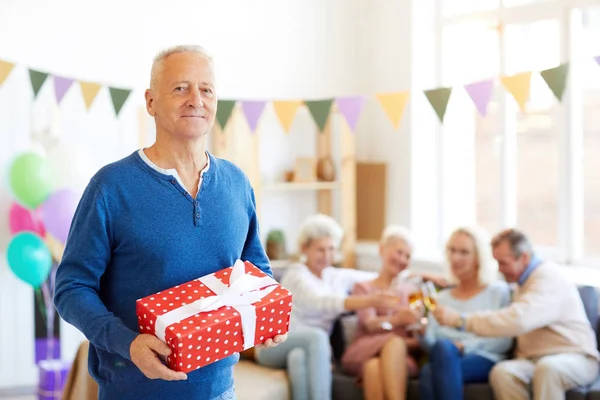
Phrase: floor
(18, 394)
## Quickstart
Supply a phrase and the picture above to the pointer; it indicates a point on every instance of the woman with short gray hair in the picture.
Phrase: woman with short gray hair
(321, 295)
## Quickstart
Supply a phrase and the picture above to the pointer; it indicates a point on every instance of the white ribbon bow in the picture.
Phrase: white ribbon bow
(243, 290)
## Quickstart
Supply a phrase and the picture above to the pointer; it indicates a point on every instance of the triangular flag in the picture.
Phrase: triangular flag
(253, 110)
(393, 104)
(319, 109)
(438, 98)
(61, 85)
(556, 79)
(519, 86)
(224, 110)
(286, 112)
(37, 80)
(119, 96)
(597, 58)
(351, 107)
(5, 69)
(89, 91)
(481, 94)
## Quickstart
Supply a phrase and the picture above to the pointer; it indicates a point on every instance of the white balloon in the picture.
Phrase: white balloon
(70, 166)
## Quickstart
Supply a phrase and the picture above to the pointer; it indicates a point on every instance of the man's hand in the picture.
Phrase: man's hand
(145, 350)
(384, 300)
(447, 316)
(273, 342)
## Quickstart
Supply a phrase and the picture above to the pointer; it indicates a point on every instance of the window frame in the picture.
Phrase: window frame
(570, 199)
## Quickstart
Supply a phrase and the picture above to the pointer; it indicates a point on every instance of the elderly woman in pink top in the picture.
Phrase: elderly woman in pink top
(380, 356)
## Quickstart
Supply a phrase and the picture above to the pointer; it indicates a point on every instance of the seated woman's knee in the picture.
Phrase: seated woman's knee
(397, 343)
(442, 348)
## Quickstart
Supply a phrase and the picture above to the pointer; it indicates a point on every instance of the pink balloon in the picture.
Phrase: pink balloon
(22, 219)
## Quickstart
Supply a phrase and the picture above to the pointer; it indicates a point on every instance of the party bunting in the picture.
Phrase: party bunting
(118, 97)
(253, 110)
(224, 110)
(519, 86)
(5, 70)
(393, 104)
(286, 112)
(481, 94)
(319, 109)
(61, 86)
(350, 108)
(37, 80)
(556, 79)
(89, 90)
(438, 98)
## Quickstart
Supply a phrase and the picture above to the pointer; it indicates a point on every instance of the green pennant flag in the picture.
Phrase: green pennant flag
(438, 98)
(319, 109)
(37, 80)
(556, 79)
(119, 97)
(224, 110)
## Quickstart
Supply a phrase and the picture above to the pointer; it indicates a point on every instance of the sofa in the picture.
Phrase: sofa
(345, 389)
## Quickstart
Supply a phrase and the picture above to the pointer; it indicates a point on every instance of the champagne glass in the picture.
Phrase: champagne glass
(429, 298)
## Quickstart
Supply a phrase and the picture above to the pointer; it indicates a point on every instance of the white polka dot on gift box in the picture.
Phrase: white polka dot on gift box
(273, 314)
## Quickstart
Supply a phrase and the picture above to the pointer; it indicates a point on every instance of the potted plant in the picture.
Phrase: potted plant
(276, 245)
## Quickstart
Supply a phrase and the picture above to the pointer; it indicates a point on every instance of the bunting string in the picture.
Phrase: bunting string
(392, 103)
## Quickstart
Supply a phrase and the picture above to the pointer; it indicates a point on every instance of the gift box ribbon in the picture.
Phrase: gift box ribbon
(243, 290)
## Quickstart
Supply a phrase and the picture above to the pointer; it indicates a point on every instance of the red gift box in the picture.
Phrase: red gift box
(213, 317)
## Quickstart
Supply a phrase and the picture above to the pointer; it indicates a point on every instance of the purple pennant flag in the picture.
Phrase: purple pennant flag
(597, 58)
(61, 85)
(351, 107)
(253, 110)
(481, 94)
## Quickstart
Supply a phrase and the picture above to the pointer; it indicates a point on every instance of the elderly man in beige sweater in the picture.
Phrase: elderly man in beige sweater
(556, 345)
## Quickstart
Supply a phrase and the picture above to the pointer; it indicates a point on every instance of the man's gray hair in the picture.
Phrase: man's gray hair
(517, 241)
(166, 53)
(319, 226)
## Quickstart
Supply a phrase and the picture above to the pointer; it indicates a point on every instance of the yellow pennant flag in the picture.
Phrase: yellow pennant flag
(519, 86)
(55, 246)
(89, 91)
(5, 70)
(286, 112)
(394, 104)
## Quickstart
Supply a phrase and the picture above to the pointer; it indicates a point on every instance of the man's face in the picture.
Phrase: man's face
(183, 100)
(508, 265)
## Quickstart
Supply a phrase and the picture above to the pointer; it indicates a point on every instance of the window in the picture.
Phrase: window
(537, 169)
(591, 132)
(534, 47)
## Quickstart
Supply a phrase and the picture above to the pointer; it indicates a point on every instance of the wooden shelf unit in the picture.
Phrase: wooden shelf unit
(239, 145)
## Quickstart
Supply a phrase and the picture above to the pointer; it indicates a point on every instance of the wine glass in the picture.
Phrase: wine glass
(429, 298)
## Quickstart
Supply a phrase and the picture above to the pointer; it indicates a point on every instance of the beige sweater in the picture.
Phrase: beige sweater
(547, 317)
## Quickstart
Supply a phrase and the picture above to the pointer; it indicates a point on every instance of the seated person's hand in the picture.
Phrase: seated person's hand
(459, 346)
(273, 342)
(405, 316)
(145, 351)
(446, 316)
(384, 300)
(438, 280)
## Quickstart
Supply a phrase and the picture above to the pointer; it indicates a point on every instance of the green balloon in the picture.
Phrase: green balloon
(29, 258)
(30, 180)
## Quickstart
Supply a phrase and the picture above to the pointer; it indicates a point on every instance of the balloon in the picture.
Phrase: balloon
(29, 258)
(21, 219)
(29, 179)
(70, 166)
(58, 211)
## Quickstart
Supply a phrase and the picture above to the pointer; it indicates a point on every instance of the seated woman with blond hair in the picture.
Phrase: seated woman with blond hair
(457, 357)
(320, 295)
(380, 356)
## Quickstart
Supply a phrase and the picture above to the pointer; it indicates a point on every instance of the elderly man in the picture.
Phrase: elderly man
(556, 346)
(159, 217)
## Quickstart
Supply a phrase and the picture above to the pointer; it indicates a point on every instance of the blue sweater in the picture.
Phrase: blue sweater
(137, 231)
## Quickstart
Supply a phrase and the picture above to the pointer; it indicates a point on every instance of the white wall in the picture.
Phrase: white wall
(263, 49)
